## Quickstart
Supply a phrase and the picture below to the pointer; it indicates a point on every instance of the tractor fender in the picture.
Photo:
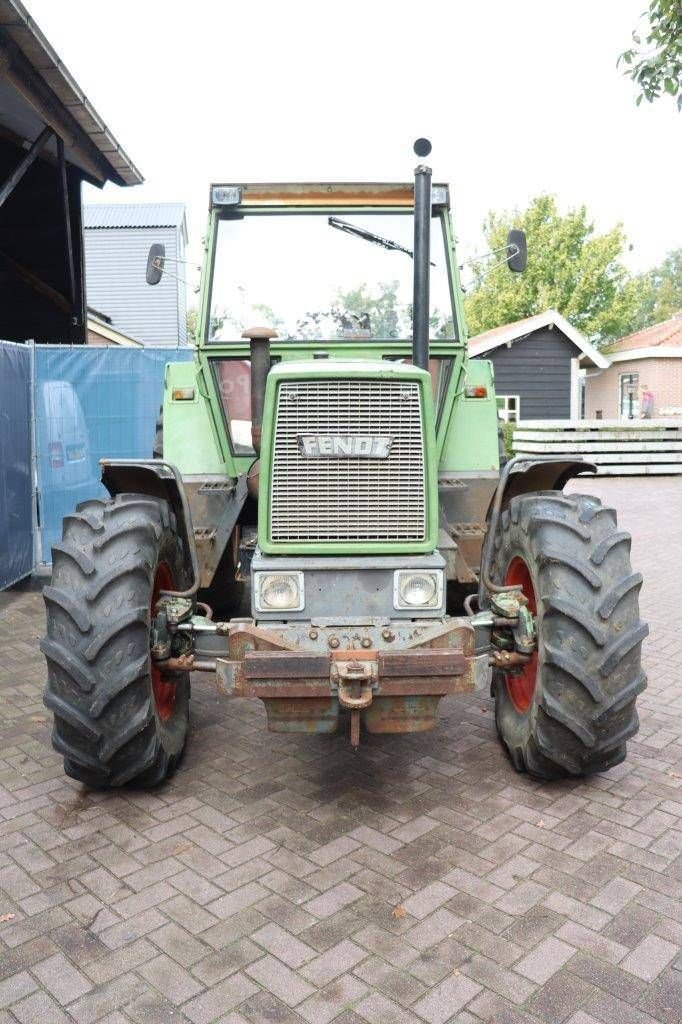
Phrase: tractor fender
(543, 474)
(158, 479)
(523, 474)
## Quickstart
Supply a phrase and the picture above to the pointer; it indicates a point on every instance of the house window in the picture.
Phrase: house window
(628, 405)
(509, 408)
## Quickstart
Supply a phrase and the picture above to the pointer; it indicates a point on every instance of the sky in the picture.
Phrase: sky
(517, 98)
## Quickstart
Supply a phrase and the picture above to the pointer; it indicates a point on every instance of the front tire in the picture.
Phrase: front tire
(117, 720)
(572, 708)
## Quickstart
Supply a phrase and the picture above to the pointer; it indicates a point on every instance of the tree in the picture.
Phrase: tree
(192, 321)
(655, 65)
(658, 292)
(570, 269)
(358, 309)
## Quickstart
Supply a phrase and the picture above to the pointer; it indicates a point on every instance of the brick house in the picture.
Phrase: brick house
(651, 359)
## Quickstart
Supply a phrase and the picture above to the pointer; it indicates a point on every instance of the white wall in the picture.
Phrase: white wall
(115, 265)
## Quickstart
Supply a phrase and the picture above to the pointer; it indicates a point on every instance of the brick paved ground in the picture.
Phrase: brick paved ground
(261, 883)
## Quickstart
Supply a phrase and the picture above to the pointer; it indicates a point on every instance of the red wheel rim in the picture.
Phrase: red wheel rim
(164, 692)
(521, 683)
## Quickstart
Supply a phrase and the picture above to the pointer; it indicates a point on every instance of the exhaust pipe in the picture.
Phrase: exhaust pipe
(422, 257)
(259, 338)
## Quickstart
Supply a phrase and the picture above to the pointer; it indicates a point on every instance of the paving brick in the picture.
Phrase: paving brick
(205, 1008)
(284, 983)
(179, 944)
(337, 960)
(388, 946)
(505, 982)
(608, 977)
(39, 1007)
(152, 1008)
(428, 899)
(330, 852)
(592, 942)
(648, 959)
(561, 996)
(170, 979)
(283, 945)
(446, 999)
(377, 1009)
(377, 840)
(325, 1005)
(237, 900)
(335, 899)
(107, 968)
(61, 979)
(400, 986)
(16, 987)
(616, 895)
(219, 965)
(433, 929)
(90, 1008)
(545, 960)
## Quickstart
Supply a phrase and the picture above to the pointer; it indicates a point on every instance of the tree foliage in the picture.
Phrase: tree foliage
(658, 292)
(654, 63)
(192, 322)
(570, 268)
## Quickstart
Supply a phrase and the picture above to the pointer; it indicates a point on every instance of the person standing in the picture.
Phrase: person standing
(647, 405)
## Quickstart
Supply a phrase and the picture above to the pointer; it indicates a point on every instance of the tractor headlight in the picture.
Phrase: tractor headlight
(279, 591)
(422, 588)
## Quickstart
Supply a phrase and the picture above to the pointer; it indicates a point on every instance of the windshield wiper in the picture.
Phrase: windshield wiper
(369, 236)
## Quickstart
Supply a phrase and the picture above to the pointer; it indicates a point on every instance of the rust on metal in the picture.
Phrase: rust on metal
(401, 714)
(508, 659)
(422, 662)
(186, 663)
(329, 194)
(385, 690)
(286, 665)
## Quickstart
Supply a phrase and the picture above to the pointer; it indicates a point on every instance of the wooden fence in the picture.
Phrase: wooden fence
(617, 447)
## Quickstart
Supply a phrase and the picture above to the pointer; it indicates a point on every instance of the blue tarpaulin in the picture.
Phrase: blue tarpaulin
(91, 403)
(16, 522)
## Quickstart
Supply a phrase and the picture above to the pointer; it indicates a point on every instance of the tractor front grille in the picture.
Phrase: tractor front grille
(348, 498)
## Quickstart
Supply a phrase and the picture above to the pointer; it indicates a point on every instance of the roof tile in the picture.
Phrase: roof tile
(668, 333)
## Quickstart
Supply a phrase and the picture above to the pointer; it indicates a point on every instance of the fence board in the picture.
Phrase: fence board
(646, 447)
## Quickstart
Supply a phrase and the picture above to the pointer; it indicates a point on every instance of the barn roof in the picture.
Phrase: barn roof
(36, 90)
(507, 334)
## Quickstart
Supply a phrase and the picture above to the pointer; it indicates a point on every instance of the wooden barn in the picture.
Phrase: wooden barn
(537, 364)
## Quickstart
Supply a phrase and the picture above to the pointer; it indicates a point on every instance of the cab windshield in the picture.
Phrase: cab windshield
(319, 277)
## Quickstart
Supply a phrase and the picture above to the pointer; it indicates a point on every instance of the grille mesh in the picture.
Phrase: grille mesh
(348, 499)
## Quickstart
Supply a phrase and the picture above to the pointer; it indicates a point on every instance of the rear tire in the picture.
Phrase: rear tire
(578, 710)
(116, 720)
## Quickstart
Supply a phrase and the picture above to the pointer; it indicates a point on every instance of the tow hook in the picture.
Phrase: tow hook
(354, 679)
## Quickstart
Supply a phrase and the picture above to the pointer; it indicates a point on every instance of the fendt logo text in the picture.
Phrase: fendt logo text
(340, 446)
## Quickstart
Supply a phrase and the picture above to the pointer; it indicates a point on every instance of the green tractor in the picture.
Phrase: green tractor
(340, 470)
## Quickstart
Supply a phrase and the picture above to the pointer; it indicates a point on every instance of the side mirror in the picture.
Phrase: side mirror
(517, 251)
(155, 263)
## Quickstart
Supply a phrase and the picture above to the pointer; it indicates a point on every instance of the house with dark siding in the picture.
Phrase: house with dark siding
(539, 364)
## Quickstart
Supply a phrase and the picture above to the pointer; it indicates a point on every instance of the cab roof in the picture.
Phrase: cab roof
(321, 194)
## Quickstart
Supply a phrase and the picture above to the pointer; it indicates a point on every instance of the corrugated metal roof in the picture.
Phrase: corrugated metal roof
(62, 99)
(134, 215)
